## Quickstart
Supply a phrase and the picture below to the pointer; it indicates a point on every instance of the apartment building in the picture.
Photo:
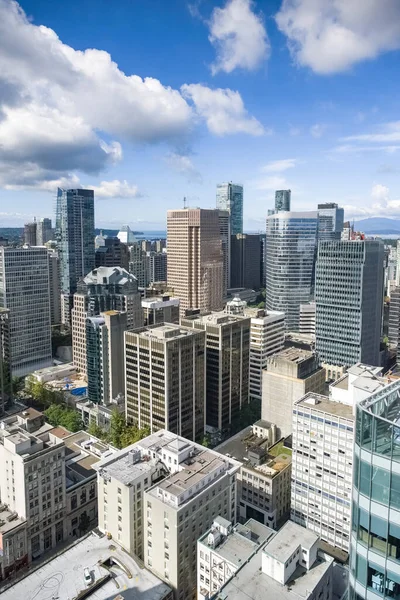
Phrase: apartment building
(158, 496)
(103, 289)
(227, 365)
(223, 549)
(289, 375)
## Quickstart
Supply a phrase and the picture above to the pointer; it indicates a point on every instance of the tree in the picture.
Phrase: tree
(96, 430)
(18, 384)
(69, 418)
(206, 441)
(117, 427)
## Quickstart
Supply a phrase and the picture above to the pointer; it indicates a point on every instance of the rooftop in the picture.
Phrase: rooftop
(82, 452)
(294, 355)
(216, 318)
(283, 545)
(9, 520)
(63, 576)
(165, 332)
(159, 302)
(317, 402)
(242, 542)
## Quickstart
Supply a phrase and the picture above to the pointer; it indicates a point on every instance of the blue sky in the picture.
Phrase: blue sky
(148, 101)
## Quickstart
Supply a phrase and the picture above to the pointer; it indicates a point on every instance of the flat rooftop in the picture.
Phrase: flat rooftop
(216, 318)
(241, 544)
(251, 583)
(287, 540)
(63, 578)
(317, 402)
(9, 520)
(295, 355)
(166, 331)
(82, 452)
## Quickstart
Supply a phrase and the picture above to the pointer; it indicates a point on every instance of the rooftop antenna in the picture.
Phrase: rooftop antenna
(184, 202)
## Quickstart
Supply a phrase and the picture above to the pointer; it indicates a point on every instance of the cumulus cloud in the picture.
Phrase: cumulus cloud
(115, 189)
(63, 110)
(278, 166)
(184, 165)
(318, 130)
(382, 204)
(386, 133)
(239, 36)
(331, 36)
(222, 109)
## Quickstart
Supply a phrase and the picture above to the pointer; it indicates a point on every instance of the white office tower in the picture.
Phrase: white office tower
(158, 496)
(24, 290)
(126, 236)
(289, 566)
(224, 549)
(322, 458)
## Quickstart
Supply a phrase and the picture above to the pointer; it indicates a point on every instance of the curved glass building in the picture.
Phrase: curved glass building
(291, 244)
(375, 537)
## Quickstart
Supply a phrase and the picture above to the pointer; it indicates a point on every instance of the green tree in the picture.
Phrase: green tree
(54, 414)
(69, 418)
(206, 442)
(18, 384)
(96, 431)
(117, 428)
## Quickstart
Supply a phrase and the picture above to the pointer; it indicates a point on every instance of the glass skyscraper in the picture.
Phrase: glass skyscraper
(75, 236)
(230, 198)
(375, 536)
(282, 200)
(349, 296)
(330, 221)
(291, 244)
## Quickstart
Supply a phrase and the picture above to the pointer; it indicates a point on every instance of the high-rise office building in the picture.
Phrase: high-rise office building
(230, 198)
(112, 253)
(105, 356)
(246, 261)
(156, 266)
(44, 231)
(375, 535)
(138, 264)
(103, 289)
(126, 235)
(24, 289)
(75, 238)
(54, 287)
(225, 229)
(195, 258)
(160, 309)
(349, 296)
(330, 221)
(5, 360)
(267, 337)
(282, 200)
(30, 233)
(159, 496)
(289, 376)
(307, 319)
(291, 244)
(394, 318)
(227, 365)
(165, 379)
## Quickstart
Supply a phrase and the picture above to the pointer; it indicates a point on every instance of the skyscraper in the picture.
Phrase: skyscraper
(44, 231)
(24, 289)
(165, 379)
(30, 233)
(227, 363)
(291, 243)
(54, 287)
(195, 258)
(375, 535)
(5, 360)
(282, 200)
(225, 231)
(330, 221)
(75, 237)
(156, 266)
(349, 297)
(246, 261)
(111, 253)
(103, 289)
(138, 264)
(230, 198)
(105, 356)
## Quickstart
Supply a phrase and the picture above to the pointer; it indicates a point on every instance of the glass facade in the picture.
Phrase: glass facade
(349, 295)
(75, 236)
(282, 200)
(291, 244)
(375, 536)
(230, 198)
(330, 221)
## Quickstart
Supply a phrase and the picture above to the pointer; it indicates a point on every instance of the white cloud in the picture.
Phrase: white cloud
(274, 182)
(382, 204)
(387, 133)
(184, 165)
(239, 36)
(222, 109)
(58, 105)
(278, 166)
(349, 148)
(331, 36)
(318, 130)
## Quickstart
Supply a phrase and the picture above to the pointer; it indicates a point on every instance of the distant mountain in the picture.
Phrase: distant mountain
(378, 226)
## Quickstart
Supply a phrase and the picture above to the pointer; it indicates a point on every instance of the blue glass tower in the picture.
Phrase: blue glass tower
(230, 198)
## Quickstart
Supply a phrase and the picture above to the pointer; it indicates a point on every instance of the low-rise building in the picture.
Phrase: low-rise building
(289, 565)
(264, 477)
(100, 414)
(223, 550)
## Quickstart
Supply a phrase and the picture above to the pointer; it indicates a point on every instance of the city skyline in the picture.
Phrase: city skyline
(220, 97)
